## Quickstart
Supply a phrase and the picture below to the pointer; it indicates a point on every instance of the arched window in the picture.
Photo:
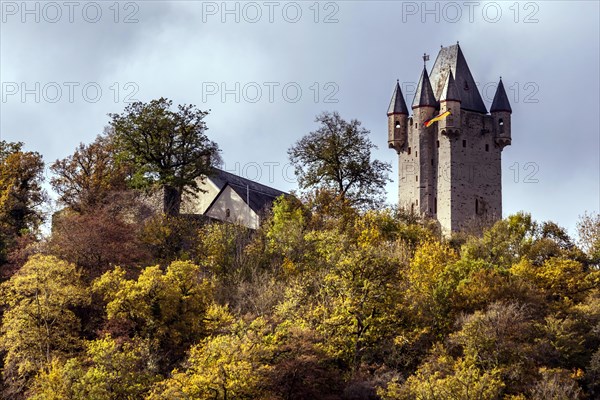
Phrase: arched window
(227, 213)
(397, 124)
(501, 125)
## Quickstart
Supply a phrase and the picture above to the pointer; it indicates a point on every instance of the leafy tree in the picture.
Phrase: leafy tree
(108, 370)
(505, 243)
(427, 295)
(442, 377)
(558, 277)
(301, 368)
(170, 238)
(358, 295)
(166, 148)
(90, 176)
(39, 324)
(21, 194)
(588, 228)
(337, 156)
(223, 249)
(224, 367)
(163, 307)
(500, 339)
(98, 240)
(287, 228)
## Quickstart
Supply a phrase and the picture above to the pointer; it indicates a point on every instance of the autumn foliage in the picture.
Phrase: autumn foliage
(326, 300)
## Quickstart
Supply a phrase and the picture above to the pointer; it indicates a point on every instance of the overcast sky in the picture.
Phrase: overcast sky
(266, 69)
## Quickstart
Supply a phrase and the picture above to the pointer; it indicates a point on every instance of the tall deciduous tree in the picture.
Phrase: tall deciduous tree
(337, 156)
(87, 178)
(39, 323)
(588, 229)
(109, 369)
(167, 148)
(21, 194)
(166, 307)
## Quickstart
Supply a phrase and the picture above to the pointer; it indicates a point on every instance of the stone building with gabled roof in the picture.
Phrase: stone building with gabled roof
(231, 198)
(449, 149)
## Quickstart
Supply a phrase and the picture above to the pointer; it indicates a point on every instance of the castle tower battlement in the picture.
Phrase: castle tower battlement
(450, 169)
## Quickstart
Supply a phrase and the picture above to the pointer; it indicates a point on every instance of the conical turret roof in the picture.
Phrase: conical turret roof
(424, 95)
(450, 92)
(500, 102)
(397, 104)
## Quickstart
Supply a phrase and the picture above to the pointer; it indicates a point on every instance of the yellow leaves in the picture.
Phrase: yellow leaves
(225, 247)
(286, 230)
(357, 299)
(21, 194)
(289, 267)
(45, 277)
(51, 383)
(482, 286)
(426, 276)
(39, 323)
(167, 306)
(229, 366)
(561, 275)
(443, 377)
(217, 318)
(108, 369)
(369, 229)
(557, 276)
(577, 374)
(523, 269)
(369, 237)
(181, 282)
(432, 256)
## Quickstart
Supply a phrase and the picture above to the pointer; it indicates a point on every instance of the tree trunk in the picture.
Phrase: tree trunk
(171, 200)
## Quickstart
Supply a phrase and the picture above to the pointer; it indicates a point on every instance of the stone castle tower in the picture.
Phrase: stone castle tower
(451, 170)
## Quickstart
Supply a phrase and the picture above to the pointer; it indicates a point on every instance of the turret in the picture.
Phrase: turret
(397, 120)
(501, 112)
(424, 104)
(450, 101)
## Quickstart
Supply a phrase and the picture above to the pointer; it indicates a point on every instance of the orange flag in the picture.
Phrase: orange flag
(436, 118)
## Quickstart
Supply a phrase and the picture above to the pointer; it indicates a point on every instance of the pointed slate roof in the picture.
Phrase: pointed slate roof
(500, 102)
(450, 92)
(258, 196)
(424, 95)
(452, 59)
(397, 104)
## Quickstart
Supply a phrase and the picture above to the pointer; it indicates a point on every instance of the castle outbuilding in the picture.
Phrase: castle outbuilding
(449, 149)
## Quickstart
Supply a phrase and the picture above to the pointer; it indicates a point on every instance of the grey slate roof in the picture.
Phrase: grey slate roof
(397, 104)
(258, 195)
(450, 92)
(424, 95)
(452, 59)
(500, 102)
